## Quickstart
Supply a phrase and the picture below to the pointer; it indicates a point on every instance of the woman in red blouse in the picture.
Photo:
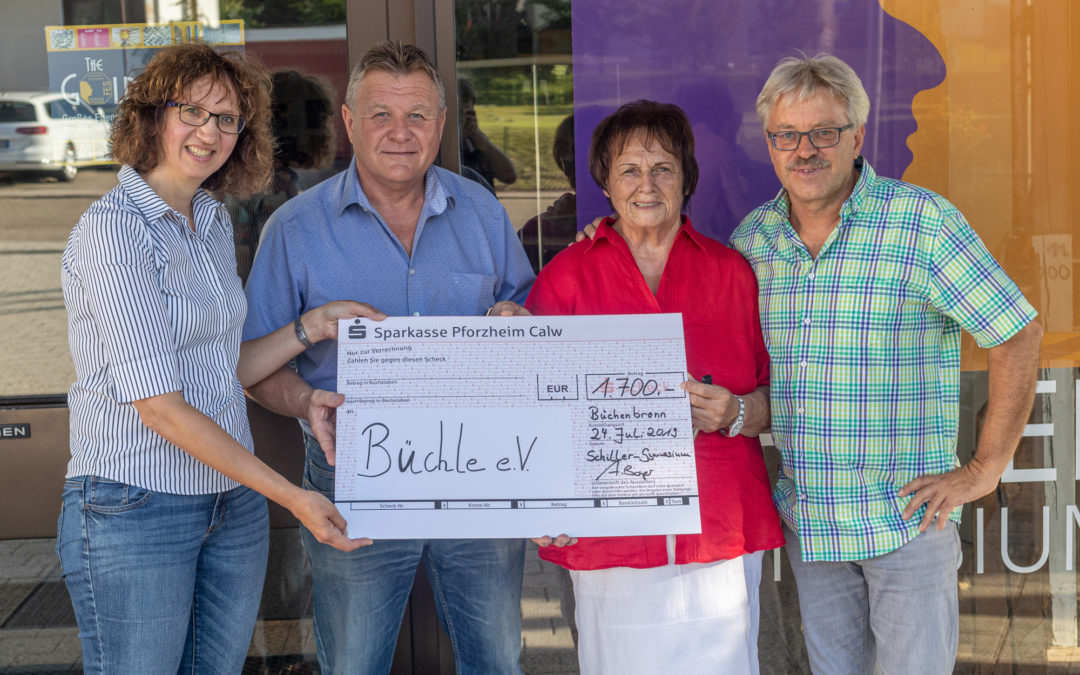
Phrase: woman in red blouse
(690, 602)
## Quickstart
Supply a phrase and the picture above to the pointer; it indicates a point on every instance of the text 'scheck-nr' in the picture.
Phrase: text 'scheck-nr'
(471, 427)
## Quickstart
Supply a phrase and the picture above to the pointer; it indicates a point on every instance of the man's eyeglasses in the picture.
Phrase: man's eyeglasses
(194, 116)
(823, 137)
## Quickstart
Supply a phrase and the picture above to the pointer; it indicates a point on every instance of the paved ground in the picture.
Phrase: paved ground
(35, 219)
(37, 632)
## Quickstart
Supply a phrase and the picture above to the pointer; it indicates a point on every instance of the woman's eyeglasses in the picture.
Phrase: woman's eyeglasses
(194, 116)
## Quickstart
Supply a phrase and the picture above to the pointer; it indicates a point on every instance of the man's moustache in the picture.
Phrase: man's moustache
(812, 164)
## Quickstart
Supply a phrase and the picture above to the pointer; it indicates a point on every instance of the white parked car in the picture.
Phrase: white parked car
(44, 132)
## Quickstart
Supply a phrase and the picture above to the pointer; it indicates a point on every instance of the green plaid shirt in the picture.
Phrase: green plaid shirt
(864, 343)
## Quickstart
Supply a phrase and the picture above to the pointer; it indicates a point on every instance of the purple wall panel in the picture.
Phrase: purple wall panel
(712, 56)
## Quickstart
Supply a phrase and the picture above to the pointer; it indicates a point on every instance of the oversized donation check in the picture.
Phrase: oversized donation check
(470, 427)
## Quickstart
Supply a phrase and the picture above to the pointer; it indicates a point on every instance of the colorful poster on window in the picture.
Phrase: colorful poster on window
(94, 63)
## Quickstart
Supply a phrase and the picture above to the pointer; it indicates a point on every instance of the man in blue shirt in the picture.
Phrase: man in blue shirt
(410, 239)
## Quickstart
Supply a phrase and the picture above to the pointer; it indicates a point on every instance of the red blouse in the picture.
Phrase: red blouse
(716, 292)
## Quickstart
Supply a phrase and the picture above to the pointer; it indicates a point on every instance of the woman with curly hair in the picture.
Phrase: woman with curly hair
(163, 532)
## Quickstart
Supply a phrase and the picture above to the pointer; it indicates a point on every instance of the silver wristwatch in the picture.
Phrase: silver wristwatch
(736, 426)
(308, 344)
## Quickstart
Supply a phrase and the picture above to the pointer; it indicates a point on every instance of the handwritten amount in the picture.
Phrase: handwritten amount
(628, 387)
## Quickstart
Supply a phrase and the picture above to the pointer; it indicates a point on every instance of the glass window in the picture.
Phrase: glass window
(16, 111)
(53, 165)
(515, 85)
(963, 102)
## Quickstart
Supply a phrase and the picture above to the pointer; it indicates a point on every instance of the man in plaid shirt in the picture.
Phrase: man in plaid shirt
(865, 283)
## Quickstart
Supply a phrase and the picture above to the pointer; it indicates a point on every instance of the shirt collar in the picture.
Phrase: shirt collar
(864, 185)
(207, 210)
(437, 196)
(153, 208)
(142, 195)
(687, 230)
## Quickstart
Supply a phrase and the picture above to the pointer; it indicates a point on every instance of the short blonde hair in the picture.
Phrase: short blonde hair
(804, 78)
(396, 58)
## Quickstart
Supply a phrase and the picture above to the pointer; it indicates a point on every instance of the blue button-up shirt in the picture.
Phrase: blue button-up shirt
(329, 243)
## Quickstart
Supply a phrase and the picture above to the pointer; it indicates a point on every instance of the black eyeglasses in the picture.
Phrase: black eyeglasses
(822, 137)
(194, 116)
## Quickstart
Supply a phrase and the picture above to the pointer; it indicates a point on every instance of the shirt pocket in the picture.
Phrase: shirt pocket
(882, 338)
(861, 333)
(875, 312)
(462, 293)
(113, 497)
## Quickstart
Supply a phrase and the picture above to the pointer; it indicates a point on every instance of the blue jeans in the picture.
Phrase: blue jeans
(360, 596)
(162, 583)
(899, 610)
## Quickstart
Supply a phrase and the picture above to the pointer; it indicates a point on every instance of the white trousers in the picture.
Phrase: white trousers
(683, 619)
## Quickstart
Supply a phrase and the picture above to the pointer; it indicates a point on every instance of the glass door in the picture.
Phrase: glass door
(64, 68)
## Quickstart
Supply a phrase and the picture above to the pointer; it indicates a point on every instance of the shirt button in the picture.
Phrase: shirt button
(806, 322)
(811, 276)
(416, 313)
(799, 410)
(802, 364)
(411, 271)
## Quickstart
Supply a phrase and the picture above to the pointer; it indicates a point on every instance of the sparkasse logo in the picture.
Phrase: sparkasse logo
(357, 331)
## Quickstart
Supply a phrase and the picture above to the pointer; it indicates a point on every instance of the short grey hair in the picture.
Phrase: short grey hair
(802, 79)
(398, 59)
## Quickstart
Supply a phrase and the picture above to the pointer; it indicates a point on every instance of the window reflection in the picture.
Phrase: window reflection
(37, 213)
(547, 233)
(514, 64)
(304, 107)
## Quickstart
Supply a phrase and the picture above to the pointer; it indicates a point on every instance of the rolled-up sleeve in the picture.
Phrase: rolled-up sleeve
(969, 285)
(116, 270)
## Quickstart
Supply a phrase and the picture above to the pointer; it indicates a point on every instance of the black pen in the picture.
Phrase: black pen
(705, 379)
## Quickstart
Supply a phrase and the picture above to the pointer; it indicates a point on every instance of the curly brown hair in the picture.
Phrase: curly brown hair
(169, 77)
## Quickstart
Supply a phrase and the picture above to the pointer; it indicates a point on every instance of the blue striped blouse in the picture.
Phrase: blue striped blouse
(153, 307)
